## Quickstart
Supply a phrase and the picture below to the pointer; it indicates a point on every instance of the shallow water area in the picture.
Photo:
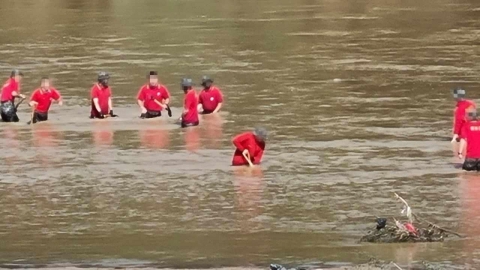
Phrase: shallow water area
(355, 94)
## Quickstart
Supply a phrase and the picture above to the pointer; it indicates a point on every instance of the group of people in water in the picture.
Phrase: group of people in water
(153, 98)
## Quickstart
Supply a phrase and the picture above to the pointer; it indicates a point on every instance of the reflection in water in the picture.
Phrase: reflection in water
(470, 211)
(10, 144)
(102, 132)
(192, 138)
(213, 126)
(249, 185)
(154, 138)
(45, 139)
(44, 135)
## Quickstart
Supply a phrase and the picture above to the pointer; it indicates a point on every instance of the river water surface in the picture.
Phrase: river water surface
(356, 95)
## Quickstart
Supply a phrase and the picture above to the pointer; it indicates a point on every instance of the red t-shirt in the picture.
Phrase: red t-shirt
(210, 98)
(471, 133)
(44, 98)
(190, 103)
(7, 89)
(149, 95)
(247, 141)
(460, 116)
(103, 94)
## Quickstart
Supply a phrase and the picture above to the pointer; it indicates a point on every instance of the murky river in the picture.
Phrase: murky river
(356, 94)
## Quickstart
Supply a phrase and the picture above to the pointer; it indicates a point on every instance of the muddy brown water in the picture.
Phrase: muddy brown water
(355, 94)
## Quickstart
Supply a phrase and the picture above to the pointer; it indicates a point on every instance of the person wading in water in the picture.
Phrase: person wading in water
(459, 115)
(41, 100)
(10, 91)
(470, 138)
(101, 98)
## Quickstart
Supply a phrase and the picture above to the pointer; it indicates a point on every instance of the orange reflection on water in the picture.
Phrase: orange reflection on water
(45, 138)
(192, 138)
(249, 185)
(102, 132)
(213, 126)
(10, 145)
(154, 138)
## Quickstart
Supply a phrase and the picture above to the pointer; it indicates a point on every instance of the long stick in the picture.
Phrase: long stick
(247, 157)
(169, 111)
(32, 116)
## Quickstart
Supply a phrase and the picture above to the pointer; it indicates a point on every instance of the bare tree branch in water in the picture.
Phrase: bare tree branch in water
(412, 215)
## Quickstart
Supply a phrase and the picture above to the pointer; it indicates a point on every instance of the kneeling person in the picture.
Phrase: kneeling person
(470, 136)
(190, 105)
(41, 100)
(250, 147)
(153, 97)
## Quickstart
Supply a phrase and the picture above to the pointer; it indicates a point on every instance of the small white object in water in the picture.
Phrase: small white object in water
(337, 80)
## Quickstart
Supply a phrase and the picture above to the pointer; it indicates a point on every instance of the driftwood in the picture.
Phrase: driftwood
(407, 231)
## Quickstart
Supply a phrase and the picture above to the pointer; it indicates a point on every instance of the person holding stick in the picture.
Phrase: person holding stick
(11, 90)
(41, 100)
(101, 98)
(250, 147)
(153, 97)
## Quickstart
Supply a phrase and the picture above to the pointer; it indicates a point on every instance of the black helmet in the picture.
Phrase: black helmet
(15, 72)
(206, 79)
(103, 76)
(459, 92)
(187, 82)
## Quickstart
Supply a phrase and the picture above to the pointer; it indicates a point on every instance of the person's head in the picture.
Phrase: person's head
(186, 84)
(472, 115)
(206, 82)
(45, 84)
(459, 93)
(103, 78)
(153, 78)
(16, 75)
(260, 134)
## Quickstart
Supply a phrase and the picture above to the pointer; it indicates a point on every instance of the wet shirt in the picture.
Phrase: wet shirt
(148, 95)
(190, 103)
(44, 98)
(210, 99)
(8, 88)
(471, 133)
(460, 117)
(247, 141)
(103, 94)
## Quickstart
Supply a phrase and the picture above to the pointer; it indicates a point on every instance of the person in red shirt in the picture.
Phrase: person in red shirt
(153, 98)
(211, 98)
(470, 137)
(10, 91)
(190, 105)
(250, 147)
(101, 98)
(459, 115)
(41, 100)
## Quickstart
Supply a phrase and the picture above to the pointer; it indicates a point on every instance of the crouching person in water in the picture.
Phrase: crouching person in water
(10, 91)
(41, 100)
(470, 137)
(190, 105)
(250, 147)
(101, 98)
